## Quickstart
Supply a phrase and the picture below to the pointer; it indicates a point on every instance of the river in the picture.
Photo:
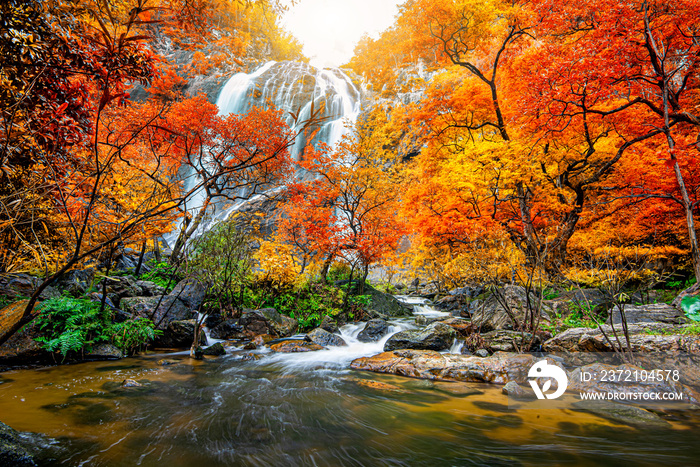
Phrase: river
(264, 409)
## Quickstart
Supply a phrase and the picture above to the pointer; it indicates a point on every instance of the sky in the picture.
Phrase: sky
(329, 29)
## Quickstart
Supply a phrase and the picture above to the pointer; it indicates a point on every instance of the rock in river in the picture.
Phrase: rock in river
(294, 345)
(373, 331)
(268, 321)
(499, 368)
(437, 336)
(322, 337)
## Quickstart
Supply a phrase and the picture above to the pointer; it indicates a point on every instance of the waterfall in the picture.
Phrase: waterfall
(291, 87)
(294, 87)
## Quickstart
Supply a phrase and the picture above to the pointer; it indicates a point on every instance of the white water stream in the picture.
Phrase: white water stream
(340, 357)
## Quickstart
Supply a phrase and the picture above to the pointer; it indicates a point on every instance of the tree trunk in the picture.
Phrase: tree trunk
(137, 271)
(187, 232)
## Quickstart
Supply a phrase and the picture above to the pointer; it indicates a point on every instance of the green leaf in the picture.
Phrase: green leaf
(691, 306)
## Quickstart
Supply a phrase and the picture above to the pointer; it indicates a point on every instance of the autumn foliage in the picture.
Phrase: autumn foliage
(508, 134)
(564, 127)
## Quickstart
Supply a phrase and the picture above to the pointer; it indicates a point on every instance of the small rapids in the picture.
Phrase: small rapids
(339, 357)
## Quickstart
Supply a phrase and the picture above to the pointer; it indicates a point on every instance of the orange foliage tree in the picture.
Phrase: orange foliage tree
(348, 207)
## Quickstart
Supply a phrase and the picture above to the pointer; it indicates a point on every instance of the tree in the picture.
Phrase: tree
(234, 157)
(348, 209)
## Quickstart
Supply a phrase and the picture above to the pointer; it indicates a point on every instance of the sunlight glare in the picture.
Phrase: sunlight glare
(330, 29)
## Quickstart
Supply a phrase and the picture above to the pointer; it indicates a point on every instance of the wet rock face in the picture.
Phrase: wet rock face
(373, 331)
(322, 337)
(437, 336)
(499, 368)
(268, 321)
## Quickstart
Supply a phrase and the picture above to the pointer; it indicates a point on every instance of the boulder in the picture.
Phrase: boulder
(467, 291)
(492, 315)
(76, 282)
(457, 301)
(424, 320)
(151, 289)
(13, 449)
(10, 316)
(138, 306)
(268, 321)
(322, 337)
(22, 349)
(18, 285)
(644, 337)
(229, 329)
(499, 368)
(514, 390)
(482, 353)
(652, 313)
(215, 350)
(385, 303)
(180, 334)
(463, 326)
(453, 304)
(180, 304)
(97, 298)
(104, 351)
(329, 324)
(190, 292)
(437, 336)
(373, 331)
(595, 300)
(510, 341)
(294, 345)
(120, 287)
(131, 383)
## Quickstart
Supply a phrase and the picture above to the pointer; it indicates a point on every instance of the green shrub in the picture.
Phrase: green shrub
(74, 325)
(162, 274)
(223, 259)
(339, 272)
(71, 325)
(133, 335)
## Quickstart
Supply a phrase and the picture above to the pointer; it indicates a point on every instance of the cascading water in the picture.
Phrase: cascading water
(293, 88)
(296, 87)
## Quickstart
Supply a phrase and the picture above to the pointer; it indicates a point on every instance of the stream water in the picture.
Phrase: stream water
(264, 409)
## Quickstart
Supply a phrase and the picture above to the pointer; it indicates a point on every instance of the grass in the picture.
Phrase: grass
(690, 330)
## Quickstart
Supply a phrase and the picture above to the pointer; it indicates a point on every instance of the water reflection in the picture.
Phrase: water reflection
(229, 411)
